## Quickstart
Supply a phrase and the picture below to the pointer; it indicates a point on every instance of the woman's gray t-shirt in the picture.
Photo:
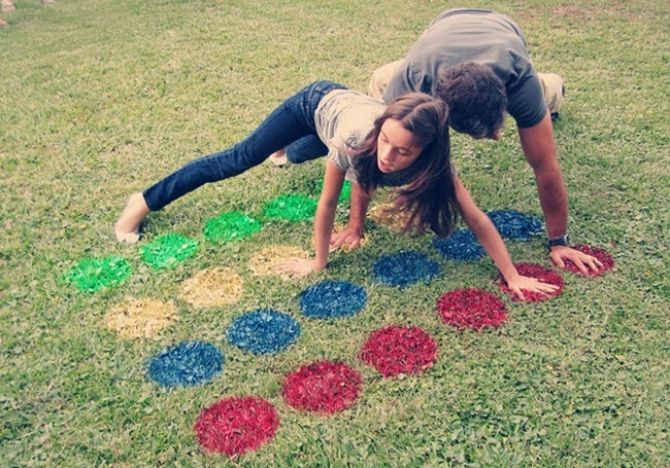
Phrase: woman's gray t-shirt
(474, 35)
(343, 119)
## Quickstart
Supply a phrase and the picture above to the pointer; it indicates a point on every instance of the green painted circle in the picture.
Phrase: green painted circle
(230, 226)
(94, 274)
(345, 193)
(291, 208)
(168, 250)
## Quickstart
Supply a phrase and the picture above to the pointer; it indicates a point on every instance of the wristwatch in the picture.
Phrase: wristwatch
(563, 240)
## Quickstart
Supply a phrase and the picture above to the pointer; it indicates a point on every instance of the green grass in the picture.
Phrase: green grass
(101, 98)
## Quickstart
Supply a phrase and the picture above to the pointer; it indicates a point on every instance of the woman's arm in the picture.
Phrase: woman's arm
(352, 234)
(323, 225)
(325, 214)
(488, 236)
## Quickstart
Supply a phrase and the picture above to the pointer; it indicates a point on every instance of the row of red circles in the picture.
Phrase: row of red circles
(236, 425)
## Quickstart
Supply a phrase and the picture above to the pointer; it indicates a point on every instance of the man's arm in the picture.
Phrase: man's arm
(539, 148)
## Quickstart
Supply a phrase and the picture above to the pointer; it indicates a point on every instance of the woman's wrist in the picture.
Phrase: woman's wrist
(320, 265)
(510, 274)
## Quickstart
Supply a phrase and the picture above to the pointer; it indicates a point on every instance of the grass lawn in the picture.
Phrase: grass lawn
(99, 98)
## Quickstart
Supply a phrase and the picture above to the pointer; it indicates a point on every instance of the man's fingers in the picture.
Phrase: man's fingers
(594, 263)
(558, 261)
(581, 266)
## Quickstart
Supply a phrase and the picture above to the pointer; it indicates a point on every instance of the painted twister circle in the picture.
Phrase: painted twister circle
(140, 318)
(395, 350)
(386, 214)
(168, 251)
(345, 193)
(471, 308)
(405, 268)
(236, 425)
(187, 364)
(323, 387)
(514, 225)
(230, 226)
(536, 271)
(332, 299)
(291, 207)
(263, 331)
(214, 287)
(461, 246)
(603, 256)
(93, 274)
(266, 262)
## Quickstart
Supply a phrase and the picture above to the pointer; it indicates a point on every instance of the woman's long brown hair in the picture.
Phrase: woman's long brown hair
(430, 195)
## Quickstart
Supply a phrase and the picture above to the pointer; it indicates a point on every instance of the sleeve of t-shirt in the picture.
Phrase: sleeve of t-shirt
(526, 101)
(347, 139)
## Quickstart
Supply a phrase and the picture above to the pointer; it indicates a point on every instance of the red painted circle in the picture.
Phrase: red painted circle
(236, 425)
(325, 387)
(536, 271)
(397, 350)
(605, 258)
(471, 308)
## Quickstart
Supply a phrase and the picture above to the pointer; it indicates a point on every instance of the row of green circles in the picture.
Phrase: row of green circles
(168, 250)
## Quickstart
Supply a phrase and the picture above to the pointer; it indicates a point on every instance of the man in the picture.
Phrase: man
(477, 61)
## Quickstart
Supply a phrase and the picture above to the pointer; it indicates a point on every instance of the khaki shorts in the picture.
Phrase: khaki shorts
(552, 85)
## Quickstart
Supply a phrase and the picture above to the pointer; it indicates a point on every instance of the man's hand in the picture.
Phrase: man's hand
(348, 239)
(584, 262)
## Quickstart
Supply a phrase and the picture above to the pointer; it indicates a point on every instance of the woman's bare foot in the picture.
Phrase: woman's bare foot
(127, 228)
(278, 158)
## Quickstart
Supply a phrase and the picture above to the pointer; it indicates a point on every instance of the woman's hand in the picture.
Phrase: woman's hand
(525, 283)
(348, 239)
(298, 267)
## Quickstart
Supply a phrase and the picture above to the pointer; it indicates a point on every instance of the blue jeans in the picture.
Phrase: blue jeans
(288, 123)
(305, 149)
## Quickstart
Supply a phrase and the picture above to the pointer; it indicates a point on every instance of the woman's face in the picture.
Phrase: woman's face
(396, 149)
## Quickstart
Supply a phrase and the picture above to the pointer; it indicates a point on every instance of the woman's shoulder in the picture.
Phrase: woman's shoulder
(344, 98)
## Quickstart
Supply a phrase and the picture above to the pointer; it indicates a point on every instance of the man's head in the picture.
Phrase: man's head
(476, 98)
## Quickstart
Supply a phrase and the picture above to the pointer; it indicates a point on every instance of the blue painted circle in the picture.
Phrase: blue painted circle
(331, 299)
(514, 225)
(263, 331)
(405, 268)
(187, 364)
(461, 245)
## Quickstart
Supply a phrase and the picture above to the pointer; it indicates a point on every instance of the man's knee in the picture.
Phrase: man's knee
(553, 89)
(381, 77)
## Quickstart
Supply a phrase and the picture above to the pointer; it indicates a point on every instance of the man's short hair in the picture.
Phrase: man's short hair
(476, 97)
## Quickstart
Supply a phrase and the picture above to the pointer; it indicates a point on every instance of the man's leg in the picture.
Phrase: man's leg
(381, 77)
(554, 90)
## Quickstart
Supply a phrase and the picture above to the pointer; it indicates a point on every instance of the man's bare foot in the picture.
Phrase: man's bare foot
(127, 228)
(278, 158)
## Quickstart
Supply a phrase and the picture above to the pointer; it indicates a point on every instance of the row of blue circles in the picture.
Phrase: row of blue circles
(262, 331)
(268, 331)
